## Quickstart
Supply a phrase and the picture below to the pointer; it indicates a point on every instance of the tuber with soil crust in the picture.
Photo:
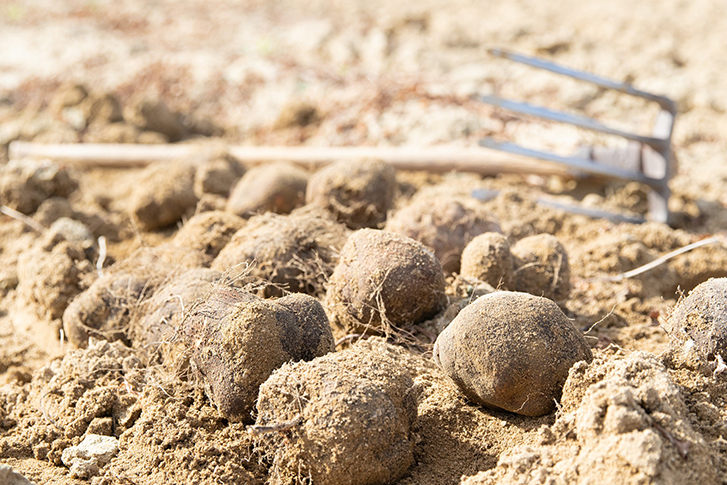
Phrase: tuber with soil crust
(359, 194)
(511, 351)
(384, 281)
(348, 416)
(487, 258)
(295, 252)
(237, 340)
(698, 324)
(542, 267)
(444, 222)
(278, 187)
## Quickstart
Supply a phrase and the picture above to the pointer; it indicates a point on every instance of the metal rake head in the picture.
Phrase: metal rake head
(646, 159)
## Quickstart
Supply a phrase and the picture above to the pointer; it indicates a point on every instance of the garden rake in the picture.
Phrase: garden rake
(646, 159)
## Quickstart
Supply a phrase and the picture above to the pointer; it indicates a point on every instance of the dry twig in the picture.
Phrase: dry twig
(19, 216)
(274, 428)
(659, 261)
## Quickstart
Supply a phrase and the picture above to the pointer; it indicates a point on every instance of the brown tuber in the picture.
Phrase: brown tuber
(344, 419)
(384, 279)
(443, 222)
(511, 351)
(166, 194)
(278, 187)
(487, 258)
(359, 194)
(238, 340)
(542, 267)
(296, 252)
(698, 323)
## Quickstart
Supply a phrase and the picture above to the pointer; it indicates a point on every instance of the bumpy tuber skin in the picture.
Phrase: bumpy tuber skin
(238, 340)
(443, 222)
(104, 309)
(346, 419)
(383, 278)
(542, 267)
(164, 312)
(358, 194)
(208, 232)
(487, 258)
(511, 351)
(698, 323)
(296, 252)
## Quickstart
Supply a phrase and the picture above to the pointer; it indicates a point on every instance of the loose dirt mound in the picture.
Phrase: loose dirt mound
(622, 421)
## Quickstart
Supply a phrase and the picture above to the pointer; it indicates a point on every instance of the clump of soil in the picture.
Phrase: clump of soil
(487, 258)
(542, 267)
(623, 420)
(167, 431)
(345, 419)
(158, 330)
(69, 398)
(297, 113)
(25, 184)
(384, 281)
(443, 221)
(278, 187)
(359, 194)
(238, 340)
(73, 231)
(50, 274)
(295, 252)
(164, 195)
(511, 351)
(208, 232)
(698, 324)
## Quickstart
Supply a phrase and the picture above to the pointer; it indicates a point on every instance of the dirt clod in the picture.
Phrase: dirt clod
(623, 421)
(512, 351)
(154, 115)
(25, 184)
(51, 274)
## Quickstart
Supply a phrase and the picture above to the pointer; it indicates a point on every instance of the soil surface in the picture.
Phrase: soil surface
(95, 285)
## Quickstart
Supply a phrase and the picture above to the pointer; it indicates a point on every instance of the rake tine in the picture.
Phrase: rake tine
(663, 101)
(581, 164)
(580, 121)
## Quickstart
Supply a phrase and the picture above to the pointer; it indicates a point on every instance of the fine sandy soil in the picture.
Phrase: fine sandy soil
(98, 291)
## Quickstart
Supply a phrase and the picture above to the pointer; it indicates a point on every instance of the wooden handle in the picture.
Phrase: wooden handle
(479, 160)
